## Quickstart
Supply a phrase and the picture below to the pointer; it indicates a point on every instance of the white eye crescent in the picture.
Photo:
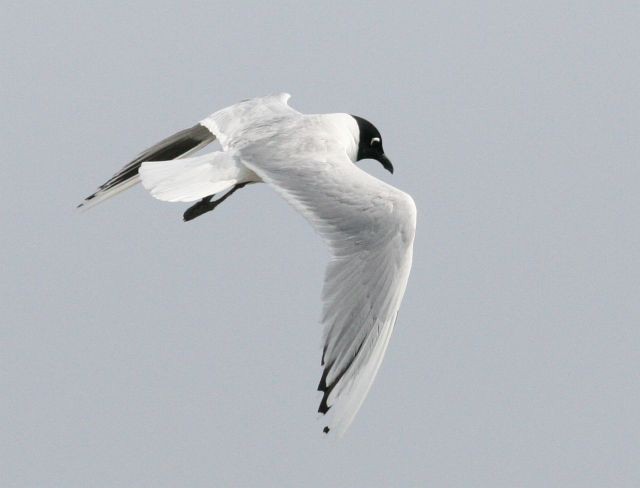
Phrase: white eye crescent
(374, 141)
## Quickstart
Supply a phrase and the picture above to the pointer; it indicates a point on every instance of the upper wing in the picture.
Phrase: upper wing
(369, 227)
(229, 124)
(178, 145)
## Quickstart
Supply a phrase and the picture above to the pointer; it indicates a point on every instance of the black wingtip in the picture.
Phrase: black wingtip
(323, 379)
(324, 407)
(327, 389)
(172, 147)
(85, 201)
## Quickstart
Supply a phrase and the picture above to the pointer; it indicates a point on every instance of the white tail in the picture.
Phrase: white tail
(190, 179)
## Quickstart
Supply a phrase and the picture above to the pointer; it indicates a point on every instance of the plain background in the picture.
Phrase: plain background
(137, 350)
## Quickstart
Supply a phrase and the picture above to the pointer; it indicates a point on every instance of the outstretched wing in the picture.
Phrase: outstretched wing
(369, 227)
(178, 145)
(227, 125)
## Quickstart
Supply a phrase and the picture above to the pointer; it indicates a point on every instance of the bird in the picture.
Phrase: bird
(308, 159)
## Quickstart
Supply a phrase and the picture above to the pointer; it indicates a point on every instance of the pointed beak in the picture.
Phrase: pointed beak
(386, 164)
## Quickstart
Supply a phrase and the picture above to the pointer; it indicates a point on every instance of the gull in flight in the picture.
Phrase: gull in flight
(368, 225)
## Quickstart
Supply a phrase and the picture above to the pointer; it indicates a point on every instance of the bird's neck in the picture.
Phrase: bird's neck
(345, 129)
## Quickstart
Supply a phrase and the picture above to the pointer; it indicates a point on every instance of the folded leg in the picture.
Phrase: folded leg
(207, 204)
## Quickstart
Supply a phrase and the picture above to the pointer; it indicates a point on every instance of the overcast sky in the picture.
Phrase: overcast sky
(137, 350)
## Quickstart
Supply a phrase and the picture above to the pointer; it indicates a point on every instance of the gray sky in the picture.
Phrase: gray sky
(137, 350)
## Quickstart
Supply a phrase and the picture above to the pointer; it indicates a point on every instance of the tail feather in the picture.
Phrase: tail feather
(190, 179)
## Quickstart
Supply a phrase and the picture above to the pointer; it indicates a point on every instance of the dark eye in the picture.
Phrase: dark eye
(375, 141)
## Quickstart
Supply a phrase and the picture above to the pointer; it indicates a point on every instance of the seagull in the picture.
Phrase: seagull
(368, 225)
